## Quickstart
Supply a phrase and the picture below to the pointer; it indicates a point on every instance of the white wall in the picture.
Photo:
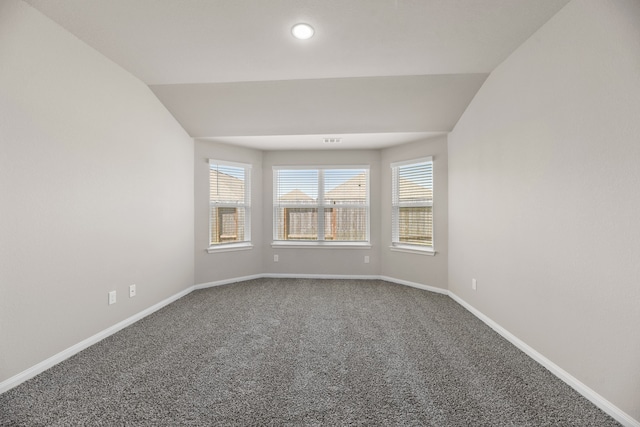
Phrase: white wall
(339, 261)
(417, 268)
(96, 185)
(544, 190)
(220, 266)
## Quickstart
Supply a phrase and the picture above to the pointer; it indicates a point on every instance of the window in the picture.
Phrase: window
(329, 204)
(229, 203)
(412, 204)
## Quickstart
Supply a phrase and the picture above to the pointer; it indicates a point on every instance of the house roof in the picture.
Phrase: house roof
(354, 189)
(296, 196)
(412, 191)
(225, 188)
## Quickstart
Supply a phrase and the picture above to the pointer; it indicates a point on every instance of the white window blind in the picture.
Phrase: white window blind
(229, 202)
(321, 204)
(412, 203)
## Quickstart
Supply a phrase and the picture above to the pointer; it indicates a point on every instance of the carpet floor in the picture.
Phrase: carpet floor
(290, 352)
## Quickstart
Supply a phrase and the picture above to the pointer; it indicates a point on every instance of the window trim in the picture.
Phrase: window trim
(235, 245)
(396, 245)
(230, 247)
(413, 249)
(325, 244)
(320, 206)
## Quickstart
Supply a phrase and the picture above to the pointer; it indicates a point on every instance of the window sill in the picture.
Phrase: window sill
(413, 250)
(230, 247)
(323, 245)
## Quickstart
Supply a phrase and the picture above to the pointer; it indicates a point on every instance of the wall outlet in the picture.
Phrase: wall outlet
(366, 259)
(132, 290)
(112, 297)
(474, 284)
(275, 258)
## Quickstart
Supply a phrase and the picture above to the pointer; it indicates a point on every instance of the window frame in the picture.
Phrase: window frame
(234, 245)
(396, 244)
(321, 206)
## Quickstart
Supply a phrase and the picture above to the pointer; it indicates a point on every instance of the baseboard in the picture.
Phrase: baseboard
(23, 376)
(319, 276)
(358, 277)
(227, 281)
(602, 403)
(415, 285)
(281, 276)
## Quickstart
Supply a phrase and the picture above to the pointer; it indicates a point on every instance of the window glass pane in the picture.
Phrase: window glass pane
(415, 183)
(415, 225)
(229, 201)
(345, 186)
(346, 224)
(226, 184)
(297, 187)
(297, 223)
(412, 203)
(227, 224)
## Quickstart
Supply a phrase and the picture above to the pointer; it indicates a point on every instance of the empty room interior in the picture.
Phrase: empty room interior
(408, 213)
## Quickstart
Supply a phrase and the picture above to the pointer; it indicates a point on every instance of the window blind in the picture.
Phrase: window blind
(321, 204)
(412, 203)
(229, 202)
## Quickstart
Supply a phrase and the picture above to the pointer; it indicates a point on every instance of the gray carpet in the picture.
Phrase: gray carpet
(302, 352)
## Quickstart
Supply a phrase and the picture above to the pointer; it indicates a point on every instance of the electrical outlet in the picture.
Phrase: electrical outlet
(366, 259)
(474, 284)
(132, 290)
(112, 297)
(275, 258)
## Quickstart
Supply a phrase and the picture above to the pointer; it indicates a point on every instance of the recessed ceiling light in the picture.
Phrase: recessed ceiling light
(302, 31)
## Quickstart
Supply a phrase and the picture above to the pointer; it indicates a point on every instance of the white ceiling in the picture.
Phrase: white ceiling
(428, 103)
(231, 68)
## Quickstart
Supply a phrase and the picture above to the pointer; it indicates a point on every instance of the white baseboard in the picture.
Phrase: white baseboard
(602, 403)
(320, 276)
(357, 277)
(227, 281)
(280, 276)
(23, 376)
(415, 285)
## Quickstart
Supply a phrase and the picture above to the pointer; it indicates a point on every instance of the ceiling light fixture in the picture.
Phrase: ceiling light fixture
(302, 31)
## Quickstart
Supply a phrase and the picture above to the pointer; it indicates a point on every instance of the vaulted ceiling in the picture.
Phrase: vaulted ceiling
(376, 72)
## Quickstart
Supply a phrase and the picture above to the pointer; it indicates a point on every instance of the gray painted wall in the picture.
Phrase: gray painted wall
(96, 180)
(417, 268)
(544, 190)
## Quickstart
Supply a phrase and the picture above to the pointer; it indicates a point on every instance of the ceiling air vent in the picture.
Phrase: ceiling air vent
(332, 140)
